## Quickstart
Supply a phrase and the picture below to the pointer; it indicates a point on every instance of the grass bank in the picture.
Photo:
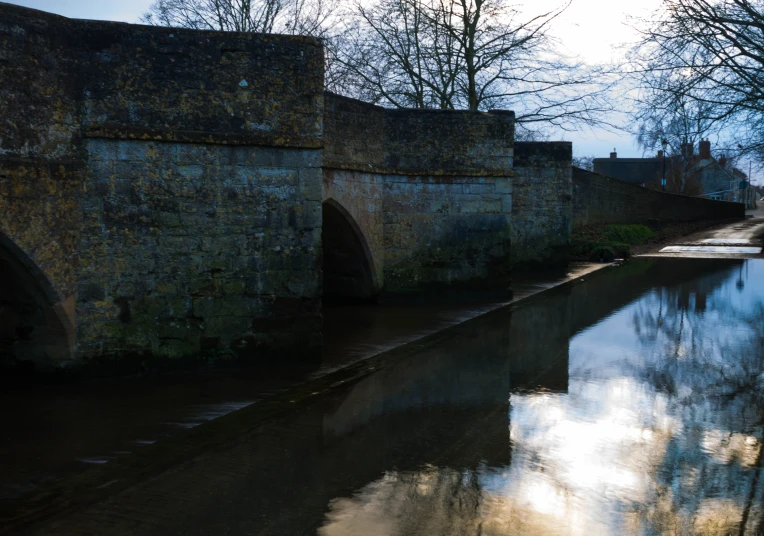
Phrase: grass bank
(604, 243)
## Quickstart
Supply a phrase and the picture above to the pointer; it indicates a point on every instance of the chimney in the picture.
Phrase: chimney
(687, 149)
(723, 161)
(660, 153)
(613, 154)
(705, 149)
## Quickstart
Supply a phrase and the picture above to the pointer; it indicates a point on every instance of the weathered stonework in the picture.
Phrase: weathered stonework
(167, 193)
(600, 199)
(160, 189)
(447, 231)
(187, 247)
(541, 208)
(430, 191)
(41, 173)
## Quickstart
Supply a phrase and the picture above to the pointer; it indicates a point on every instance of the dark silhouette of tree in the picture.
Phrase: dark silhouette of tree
(302, 17)
(707, 55)
(473, 55)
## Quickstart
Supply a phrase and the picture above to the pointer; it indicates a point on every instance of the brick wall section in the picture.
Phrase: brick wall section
(600, 199)
(541, 203)
(430, 190)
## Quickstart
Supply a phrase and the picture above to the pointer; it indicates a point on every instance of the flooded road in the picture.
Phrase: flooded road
(630, 403)
(740, 239)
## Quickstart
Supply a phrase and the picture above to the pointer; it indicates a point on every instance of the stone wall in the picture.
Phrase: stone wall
(168, 178)
(541, 203)
(354, 134)
(598, 199)
(360, 197)
(41, 174)
(40, 164)
(187, 247)
(429, 190)
(449, 142)
(208, 235)
(447, 231)
(162, 191)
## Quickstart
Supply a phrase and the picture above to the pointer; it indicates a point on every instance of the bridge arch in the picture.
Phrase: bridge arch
(36, 324)
(348, 264)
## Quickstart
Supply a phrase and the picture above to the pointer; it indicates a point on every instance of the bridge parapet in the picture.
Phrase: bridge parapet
(430, 190)
(168, 181)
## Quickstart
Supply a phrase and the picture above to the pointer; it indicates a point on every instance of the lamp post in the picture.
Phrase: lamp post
(664, 143)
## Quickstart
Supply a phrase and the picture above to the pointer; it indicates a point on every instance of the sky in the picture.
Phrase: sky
(591, 29)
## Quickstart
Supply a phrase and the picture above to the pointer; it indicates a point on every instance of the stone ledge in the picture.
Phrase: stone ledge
(194, 136)
(415, 172)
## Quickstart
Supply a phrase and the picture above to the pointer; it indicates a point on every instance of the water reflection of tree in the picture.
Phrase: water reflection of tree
(710, 366)
(697, 360)
(668, 446)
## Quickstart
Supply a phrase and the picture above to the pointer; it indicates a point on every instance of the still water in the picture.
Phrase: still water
(49, 433)
(627, 404)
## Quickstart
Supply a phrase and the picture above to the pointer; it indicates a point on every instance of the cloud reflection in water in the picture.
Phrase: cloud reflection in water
(658, 432)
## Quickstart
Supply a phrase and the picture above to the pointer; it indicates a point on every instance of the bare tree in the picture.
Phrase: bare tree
(304, 17)
(584, 162)
(469, 54)
(674, 124)
(709, 54)
(393, 54)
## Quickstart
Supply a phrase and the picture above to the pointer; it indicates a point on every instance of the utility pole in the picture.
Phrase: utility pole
(748, 189)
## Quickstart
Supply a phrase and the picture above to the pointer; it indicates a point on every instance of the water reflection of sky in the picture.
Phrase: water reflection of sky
(659, 432)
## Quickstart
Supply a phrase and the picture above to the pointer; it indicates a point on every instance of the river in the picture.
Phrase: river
(628, 403)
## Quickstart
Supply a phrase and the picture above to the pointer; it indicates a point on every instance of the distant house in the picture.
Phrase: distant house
(692, 174)
(639, 171)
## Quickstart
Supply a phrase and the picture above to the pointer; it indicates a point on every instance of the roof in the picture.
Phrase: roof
(631, 170)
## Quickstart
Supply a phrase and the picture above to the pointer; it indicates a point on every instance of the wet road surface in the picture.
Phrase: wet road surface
(630, 403)
(743, 239)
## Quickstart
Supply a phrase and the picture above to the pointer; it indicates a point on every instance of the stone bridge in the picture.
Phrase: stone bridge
(166, 193)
